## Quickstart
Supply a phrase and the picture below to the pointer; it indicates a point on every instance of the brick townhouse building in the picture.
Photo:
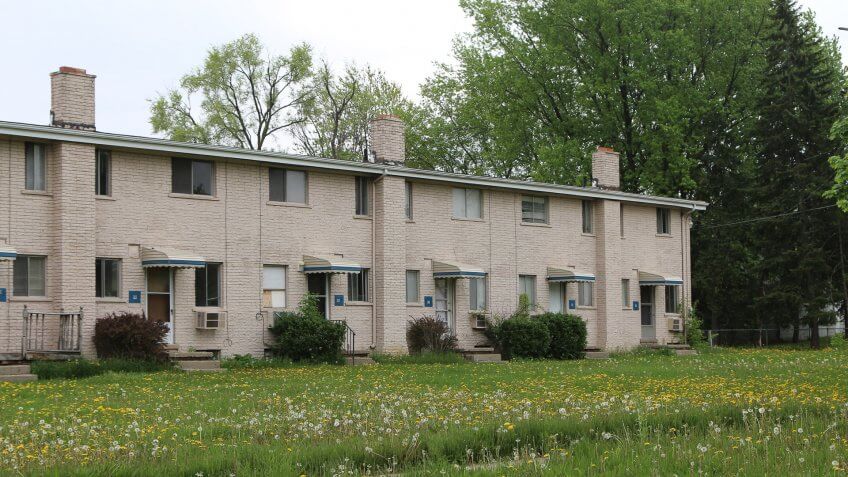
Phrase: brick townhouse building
(212, 240)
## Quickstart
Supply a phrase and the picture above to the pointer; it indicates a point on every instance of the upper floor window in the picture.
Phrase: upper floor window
(36, 166)
(363, 196)
(189, 176)
(468, 203)
(534, 209)
(663, 220)
(103, 172)
(274, 286)
(527, 286)
(357, 286)
(207, 285)
(588, 217)
(287, 185)
(108, 279)
(408, 202)
(621, 218)
(29, 276)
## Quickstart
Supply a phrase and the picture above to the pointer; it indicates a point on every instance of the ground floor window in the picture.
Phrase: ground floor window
(274, 286)
(527, 286)
(625, 293)
(412, 285)
(29, 276)
(207, 285)
(357, 286)
(108, 280)
(585, 293)
(672, 299)
(477, 294)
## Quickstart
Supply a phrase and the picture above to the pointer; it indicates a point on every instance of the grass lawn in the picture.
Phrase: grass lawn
(741, 412)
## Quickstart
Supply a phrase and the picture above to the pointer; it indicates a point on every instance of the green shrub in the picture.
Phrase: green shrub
(306, 336)
(521, 337)
(838, 341)
(425, 357)
(429, 335)
(694, 330)
(568, 335)
(130, 336)
(83, 368)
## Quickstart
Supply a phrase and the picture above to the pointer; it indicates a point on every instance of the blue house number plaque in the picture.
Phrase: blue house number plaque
(636, 305)
(338, 300)
(135, 296)
(572, 304)
(428, 301)
(2, 295)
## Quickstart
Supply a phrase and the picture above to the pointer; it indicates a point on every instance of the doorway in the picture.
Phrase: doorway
(316, 285)
(444, 303)
(160, 298)
(649, 329)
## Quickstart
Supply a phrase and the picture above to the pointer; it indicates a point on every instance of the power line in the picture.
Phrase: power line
(760, 219)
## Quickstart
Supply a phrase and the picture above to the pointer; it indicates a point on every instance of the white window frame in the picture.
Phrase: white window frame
(101, 270)
(270, 289)
(358, 285)
(285, 185)
(663, 221)
(523, 281)
(625, 294)
(585, 294)
(587, 208)
(672, 299)
(213, 185)
(476, 294)
(417, 288)
(460, 203)
(37, 154)
(535, 201)
(27, 258)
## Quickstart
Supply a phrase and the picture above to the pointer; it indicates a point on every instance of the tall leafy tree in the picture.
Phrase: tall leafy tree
(337, 115)
(245, 94)
(798, 107)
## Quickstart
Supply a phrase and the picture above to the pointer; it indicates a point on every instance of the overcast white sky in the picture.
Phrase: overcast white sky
(139, 48)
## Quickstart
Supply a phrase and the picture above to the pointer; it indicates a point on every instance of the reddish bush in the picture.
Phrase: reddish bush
(130, 336)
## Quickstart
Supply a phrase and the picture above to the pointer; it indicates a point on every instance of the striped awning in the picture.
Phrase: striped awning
(646, 278)
(456, 270)
(556, 274)
(7, 252)
(329, 265)
(167, 257)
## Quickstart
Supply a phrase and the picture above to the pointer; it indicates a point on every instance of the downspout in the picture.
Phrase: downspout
(685, 253)
(374, 259)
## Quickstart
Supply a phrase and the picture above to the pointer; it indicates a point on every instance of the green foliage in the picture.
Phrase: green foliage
(838, 341)
(568, 335)
(247, 361)
(427, 357)
(694, 329)
(246, 95)
(522, 337)
(426, 334)
(130, 336)
(306, 336)
(82, 368)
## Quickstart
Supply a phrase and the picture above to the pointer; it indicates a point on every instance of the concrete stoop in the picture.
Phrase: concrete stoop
(597, 355)
(16, 373)
(482, 354)
(359, 360)
(206, 365)
(685, 352)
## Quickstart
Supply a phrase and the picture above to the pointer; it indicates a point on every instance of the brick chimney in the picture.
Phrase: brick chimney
(387, 143)
(72, 98)
(605, 168)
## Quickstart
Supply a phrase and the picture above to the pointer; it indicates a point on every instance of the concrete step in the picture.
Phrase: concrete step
(685, 352)
(171, 347)
(479, 350)
(597, 354)
(199, 365)
(13, 369)
(18, 378)
(484, 357)
(359, 360)
(11, 357)
(189, 355)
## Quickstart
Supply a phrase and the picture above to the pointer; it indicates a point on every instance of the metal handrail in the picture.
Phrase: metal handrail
(350, 338)
(36, 338)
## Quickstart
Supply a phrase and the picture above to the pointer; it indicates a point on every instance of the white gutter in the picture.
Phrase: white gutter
(168, 147)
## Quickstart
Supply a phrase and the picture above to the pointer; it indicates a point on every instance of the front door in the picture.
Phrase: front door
(444, 303)
(649, 329)
(160, 298)
(316, 285)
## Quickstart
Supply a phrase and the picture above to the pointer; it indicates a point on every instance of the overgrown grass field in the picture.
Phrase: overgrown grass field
(741, 412)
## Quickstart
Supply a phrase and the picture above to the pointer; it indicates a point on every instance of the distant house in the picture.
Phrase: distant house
(212, 240)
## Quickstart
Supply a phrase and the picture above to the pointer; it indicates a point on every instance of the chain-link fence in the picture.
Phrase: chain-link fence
(763, 336)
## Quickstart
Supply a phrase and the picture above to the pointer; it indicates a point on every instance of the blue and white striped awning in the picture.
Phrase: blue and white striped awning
(7, 252)
(456, 270)
(556, 274)
(329, 265)
(152, 257)
(648, 279)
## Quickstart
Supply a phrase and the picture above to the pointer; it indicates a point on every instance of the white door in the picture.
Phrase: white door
(558, 303)
(160, 298)
(444, 302)
(649, 329)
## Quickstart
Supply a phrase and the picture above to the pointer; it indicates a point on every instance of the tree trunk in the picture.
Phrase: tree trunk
(796, 331)
(814, 334)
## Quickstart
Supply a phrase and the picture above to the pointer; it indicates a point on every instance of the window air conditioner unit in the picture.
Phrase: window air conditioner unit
(209, 318)
(675, 324)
